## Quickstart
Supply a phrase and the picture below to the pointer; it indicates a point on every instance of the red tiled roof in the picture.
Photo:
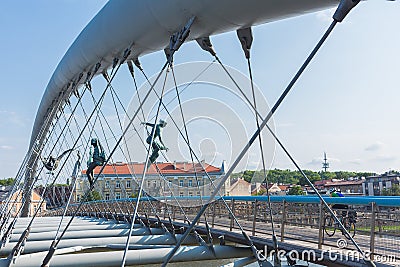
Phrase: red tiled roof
(178, 168)
(343, 183)
(283, 187)
(322, 182)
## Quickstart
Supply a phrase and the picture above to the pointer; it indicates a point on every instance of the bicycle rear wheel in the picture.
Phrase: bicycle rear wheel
(329, 226)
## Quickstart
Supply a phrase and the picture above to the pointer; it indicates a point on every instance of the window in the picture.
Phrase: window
(198, 193)
(117, 184)
(107, 196)
(107, 184)
(198, 182)
(190, 194)
(181, 194)
(148, 184)
(118, 195)
(180, 182)
(190, 183)
(128, 183)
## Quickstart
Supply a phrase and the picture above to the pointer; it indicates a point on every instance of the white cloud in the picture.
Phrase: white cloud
(375, 147)
(355, 161)
(4, 147)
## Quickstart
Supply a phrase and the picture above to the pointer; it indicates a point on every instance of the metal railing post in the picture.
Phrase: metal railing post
(283, 221)
(372, 234)
(233, 212)
(254, 218)
(321, 225)
(213, 216)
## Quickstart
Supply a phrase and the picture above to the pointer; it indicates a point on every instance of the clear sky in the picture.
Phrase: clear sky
(346, 103)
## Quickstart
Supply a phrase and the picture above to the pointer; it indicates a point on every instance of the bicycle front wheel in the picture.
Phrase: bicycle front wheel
(350, 227)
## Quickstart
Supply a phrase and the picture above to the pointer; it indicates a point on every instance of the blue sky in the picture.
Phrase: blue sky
(346, 103)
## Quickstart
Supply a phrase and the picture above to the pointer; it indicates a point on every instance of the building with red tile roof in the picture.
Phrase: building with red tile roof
(352, 186)
(121, 180)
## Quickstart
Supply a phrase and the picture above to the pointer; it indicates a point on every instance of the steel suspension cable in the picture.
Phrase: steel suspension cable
(144, 170)
(24, 197)
(227, 206)
(129, 159)
(38, 154)
(186, 131)
(111, 153)
(322, 199)
(254, 136)
(108, 146)
(204, 169)
(158, 170)
(112, 132)
(91, 132)
(54, 245)
(79, 136)
(211, 182)
(274, 239)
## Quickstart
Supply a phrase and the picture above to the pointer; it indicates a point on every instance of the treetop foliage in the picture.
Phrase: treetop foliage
(295, 177)
(6, 182)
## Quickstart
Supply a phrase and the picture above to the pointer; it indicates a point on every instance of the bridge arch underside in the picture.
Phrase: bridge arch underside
(143, 28)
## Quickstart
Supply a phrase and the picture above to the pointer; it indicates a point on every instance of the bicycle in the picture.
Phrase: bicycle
(348, 220)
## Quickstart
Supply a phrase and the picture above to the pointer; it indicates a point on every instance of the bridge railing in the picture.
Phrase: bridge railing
(296, 218)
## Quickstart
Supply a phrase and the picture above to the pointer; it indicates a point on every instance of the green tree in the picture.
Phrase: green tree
(261, 192)
(327, 175)
(312, 176)
(248, 175)
(94, 195)
(296, 190)
(393, 191)
(8, 181)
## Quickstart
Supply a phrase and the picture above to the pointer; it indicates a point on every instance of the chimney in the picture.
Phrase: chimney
(174, 164)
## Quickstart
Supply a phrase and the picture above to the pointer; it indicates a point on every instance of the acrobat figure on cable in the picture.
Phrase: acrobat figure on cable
(97, 158)
(51, 163)
(157, 144)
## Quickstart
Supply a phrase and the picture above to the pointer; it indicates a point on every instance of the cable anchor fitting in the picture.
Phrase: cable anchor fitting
(246, 39)
(345, 6)
(178, 38)
(206, 45)
(106, 76)
(19, 247)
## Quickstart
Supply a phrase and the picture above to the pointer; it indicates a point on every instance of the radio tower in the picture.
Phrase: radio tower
(325, 164)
